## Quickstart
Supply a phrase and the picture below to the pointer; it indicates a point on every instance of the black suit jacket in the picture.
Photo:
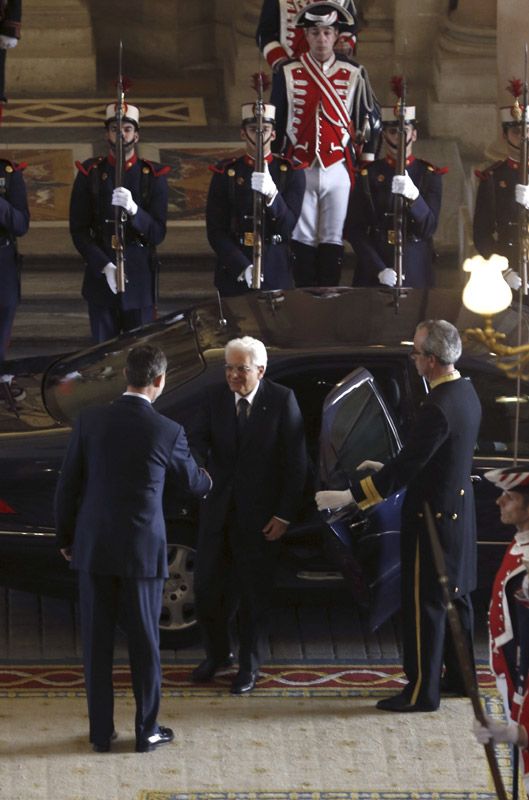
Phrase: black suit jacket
(262, 477)
(109, 496)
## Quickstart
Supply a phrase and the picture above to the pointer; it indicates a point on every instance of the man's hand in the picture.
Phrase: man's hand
(372, 465)
(512, 279)
(109, 272)
(247, 275)
(403, 184)
(264, 183)
(332, 498)
(345, 46)
(66, 552)
(387, 277)
(496, 731)
(521, 194)
(7, 42)
(274, 529)
(122, 197)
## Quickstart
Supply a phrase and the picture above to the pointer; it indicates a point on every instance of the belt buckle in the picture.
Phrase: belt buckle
(248, 239)
(391, 237)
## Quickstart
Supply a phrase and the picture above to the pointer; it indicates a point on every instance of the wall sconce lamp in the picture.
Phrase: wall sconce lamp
(487, 293)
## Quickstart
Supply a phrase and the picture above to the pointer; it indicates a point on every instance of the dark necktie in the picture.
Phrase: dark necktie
(243, 408)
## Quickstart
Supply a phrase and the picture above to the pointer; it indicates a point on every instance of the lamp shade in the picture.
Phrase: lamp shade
(486, 292)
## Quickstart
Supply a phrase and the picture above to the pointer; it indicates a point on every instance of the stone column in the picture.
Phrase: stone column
(463, 102)
(512, 31)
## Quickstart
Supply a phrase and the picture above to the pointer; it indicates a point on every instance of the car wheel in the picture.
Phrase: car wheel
(178, 620)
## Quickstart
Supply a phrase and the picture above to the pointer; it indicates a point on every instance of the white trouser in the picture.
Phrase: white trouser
(324, 206)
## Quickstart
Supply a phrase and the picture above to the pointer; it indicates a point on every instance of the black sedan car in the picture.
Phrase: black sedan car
(348, 345)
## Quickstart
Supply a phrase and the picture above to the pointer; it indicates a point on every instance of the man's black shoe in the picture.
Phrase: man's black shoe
(449, 689)
(162, 736)
(104, 747)
(207, 669)
(400, 703)
(244, 682)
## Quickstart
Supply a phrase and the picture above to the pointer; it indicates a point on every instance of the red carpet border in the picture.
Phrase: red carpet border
(275, 680)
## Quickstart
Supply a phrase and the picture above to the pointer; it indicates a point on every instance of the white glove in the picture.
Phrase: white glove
(495, 731)
(7, 42)
(333, 499)
(521, 194)
(387, 277)
(122, 197)
(512, 279)
(374, 465)
(247, 275)
(264, 183)
(110, 274)
(403, 184)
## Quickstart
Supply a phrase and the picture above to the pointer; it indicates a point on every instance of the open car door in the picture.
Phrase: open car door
(356, 425)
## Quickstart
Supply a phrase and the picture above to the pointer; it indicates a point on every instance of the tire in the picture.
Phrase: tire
(178, 620)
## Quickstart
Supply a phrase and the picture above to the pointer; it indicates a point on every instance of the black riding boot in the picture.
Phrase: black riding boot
(303, 260)
(329, 268)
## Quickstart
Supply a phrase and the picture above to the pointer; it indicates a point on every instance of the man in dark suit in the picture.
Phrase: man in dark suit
(110, 526)
(435, 465)
(249, 433)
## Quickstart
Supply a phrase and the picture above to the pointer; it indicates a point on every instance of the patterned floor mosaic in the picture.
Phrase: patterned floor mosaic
(64, 113)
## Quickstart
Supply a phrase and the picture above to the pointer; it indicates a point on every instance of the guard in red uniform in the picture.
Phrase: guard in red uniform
(327, 116)
(509, 618)
(280, 40)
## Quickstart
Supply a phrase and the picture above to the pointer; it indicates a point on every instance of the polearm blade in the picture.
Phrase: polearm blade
(120, 216)
(461, 648)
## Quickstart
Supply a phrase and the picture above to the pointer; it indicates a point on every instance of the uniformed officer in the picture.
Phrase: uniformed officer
(321, 100)
(14, 222)
(370, 225)
(496, 213)
(435, 465)
(509, 617)
(229, 211)
(10, 21)
(280, 40)
(143, 197)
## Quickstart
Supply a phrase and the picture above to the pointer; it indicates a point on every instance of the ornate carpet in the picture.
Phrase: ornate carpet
(308, 732)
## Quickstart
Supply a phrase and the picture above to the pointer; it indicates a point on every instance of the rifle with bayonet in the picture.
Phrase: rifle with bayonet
(120, 215)
(399, 221)
(258, 199)
(523, 220)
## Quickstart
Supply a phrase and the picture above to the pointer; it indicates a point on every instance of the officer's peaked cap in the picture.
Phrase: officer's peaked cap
(515, 479)
(130, 113)
(325, 14)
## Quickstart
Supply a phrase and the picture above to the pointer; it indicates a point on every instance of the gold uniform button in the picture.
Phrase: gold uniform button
(283, 168)
(231, 173)
(454, 516)
(104, 176)
(461, 492)
(9, 168)
(503, 184)
(240, 181)
(363, 172)
(438, 515)
(145, 170)
(420, 514)
(381, 178)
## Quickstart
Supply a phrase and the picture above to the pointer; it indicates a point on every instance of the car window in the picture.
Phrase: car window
(360, 429)
(497, 394)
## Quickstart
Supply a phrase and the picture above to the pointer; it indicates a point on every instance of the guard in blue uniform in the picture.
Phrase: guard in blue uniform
(435, 465)
(143, 197)
(370, 226)
(10, 20)
(229, 211)
(14, 222)
(496, 213)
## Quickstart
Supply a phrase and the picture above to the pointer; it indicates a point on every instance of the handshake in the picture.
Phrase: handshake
(333, 499)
